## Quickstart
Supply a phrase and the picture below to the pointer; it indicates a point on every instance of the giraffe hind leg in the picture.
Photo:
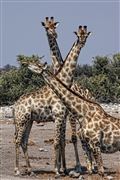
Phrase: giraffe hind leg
(17, 151)
(21, 139)
(18, 138)
(24, 144)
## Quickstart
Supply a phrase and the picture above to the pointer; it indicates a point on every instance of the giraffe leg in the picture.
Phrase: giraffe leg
(18, 139)
(57, 158)
(93, 163)
(87, 153)
(63, 146)
(74, 141)
(78, 165)
(24, 143)
(17, 149)
(98, 159)
(59, 149)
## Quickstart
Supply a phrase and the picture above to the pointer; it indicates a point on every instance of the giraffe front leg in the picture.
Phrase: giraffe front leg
(57, 149)
(59, 112)
(98, 158)
(57, 144)
(78, 167)
(74, 141)
(86, 149)
(87, 154)
(63, 144)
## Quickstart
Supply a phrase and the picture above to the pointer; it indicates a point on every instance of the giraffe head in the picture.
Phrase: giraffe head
(35, 66)
(82, 34)
(50, 26)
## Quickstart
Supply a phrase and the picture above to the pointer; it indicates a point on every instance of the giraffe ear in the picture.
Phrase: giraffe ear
(75, 32)
(89, 33)
(45, 66)
(56, 24)
(43, 24)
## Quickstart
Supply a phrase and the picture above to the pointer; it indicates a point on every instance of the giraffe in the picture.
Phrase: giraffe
(43, 105)
(57, 61)
(99, 131)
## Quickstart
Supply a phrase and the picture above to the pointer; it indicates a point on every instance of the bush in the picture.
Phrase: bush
(104, 78)
(17, 81)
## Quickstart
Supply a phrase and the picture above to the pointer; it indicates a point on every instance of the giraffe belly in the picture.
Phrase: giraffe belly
(42, 115)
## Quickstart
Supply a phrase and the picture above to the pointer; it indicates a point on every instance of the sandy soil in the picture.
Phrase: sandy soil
(41, 153)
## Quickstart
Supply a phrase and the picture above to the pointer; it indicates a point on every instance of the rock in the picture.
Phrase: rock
(43, 150)
(6, 112)
(47, 163)
(40, 124)
(111, 108)
(81, 178)
(74, 174)
(110, 177)
(49, 141)
(31, 142)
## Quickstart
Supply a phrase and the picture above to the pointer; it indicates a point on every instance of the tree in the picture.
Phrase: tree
(15, 82)
(102, 78)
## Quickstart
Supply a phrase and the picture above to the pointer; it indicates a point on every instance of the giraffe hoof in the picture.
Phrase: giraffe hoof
(32, 174)
(90, 172)
(66, 172)
(94, 170)
(17, 172)
(29, 170)
(78, 169)
(101, 173)
(57, 176)
(74, 174)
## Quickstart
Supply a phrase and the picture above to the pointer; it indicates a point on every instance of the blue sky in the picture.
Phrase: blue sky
(22, 33)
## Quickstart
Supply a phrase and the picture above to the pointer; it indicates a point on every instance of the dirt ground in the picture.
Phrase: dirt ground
(41, 153)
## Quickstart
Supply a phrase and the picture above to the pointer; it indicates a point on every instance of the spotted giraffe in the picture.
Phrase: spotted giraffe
(99, 131)
(57, 62)
(44, 105)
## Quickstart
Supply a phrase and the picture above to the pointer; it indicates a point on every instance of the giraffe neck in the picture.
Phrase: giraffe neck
(66, 72)
(74, 103)
(57, 60)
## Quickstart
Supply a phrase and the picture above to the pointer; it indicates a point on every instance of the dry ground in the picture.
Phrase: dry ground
(41, 153)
